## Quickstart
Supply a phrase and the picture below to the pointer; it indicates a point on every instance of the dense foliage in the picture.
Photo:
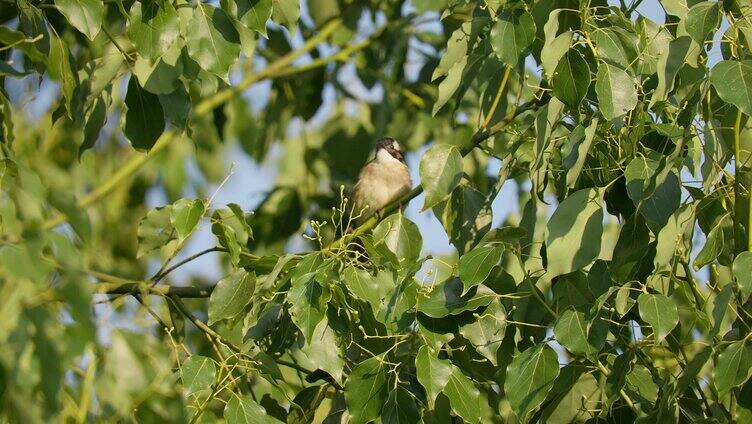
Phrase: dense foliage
(620, 291)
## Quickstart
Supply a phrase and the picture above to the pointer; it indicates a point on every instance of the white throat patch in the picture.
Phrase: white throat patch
(382, 156)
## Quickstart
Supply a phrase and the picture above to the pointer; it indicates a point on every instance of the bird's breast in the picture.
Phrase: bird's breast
(381, 183)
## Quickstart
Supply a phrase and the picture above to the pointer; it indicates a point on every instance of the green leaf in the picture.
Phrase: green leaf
(185, 215)
(733, 367)
(197, 373)
(400, 408)
(6, 120)
(670, 61)
(365, 286)
(616, 91)
(153, 27)
(61, 69)
(254, 14)
(323, 350)
(232, 230)
(530, 376)
(476, 265)
(401, 236)
(450, 83)
(733, 81)
(226, 238)
(95, 119)
(615, 46)
(244, 410)
(161, 76)
(660, 312)
(308, 300)
(572, 330)
(144, 120)
(511, 35)
(580, 139)
(440, 173)
(675, 236)
(85, 15)
(399, 301)
(571, 78)
(487, 332)
(456, 50)
(658, 205)
(554, 46)
(574, 232)
(286, 13)
(713, 246)
(743, 273)
(367, 389)
(231, 295)
(702, 21)
(466, 217)
(433, 373)
(155, 230)
(464, 398)
(446, 299)
(212, 40)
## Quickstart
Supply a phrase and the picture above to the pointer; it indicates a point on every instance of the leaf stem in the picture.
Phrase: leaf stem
(737, 186)
(495, 104)
(161, 274)
(160, 290)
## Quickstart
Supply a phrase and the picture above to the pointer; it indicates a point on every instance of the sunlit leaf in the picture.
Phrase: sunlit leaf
(308, 301)
(212, 40)
(733, 366)
(185, 215)
(153, 27)
(702, 20)
(530, 376)
(231, 295)
(574, 232)
(487, 332)
(476, 265)
(85, 15)
(244, 410)
(440, 173)
(400, 236)
(446, 299)
(743, 273)
(616, 91)
(660, 312)
(511, 35)
(464, 398)
(571, 78)
(433, 373)
(197, 373)
(367, 389)
(733, 81)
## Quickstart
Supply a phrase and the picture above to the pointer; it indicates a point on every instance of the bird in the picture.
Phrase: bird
(381, 181)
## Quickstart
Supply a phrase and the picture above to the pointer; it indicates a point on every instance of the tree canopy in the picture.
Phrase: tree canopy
(619, 291)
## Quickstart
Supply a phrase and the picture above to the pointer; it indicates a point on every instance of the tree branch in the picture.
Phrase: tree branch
(160, 290)
(160, 275)
(274, 69)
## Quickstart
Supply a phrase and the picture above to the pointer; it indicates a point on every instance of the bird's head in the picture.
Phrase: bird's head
(390, 146)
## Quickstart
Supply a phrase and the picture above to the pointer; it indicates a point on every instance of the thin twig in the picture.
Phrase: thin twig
(162, 274)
